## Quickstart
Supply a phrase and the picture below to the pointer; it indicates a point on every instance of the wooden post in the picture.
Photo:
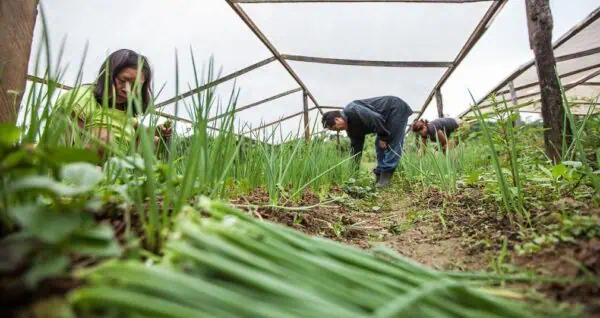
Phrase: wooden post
(540, 24)
(439, 101)
(17, 20)
(306, 120)
(515, 101)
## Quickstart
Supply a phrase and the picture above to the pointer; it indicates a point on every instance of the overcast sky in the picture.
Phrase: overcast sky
(378, 31)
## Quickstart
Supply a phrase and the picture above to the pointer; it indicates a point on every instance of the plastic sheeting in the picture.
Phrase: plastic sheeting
(578, 66)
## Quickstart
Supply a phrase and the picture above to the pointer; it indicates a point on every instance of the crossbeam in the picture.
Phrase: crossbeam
(216, 82)
(279, 120)
(260, 102)
(336, 61)
(254, 28)
(577, 55)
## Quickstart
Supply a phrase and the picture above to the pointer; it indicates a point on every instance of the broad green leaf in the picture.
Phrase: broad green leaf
(62, 155)
(81, 174)
(45, 224)
(9, 134)
(45, 184)
(97, 241)
(101, 232)
(53, 265)
(473, 177)
(558, 171)
(94, 247)
(13, 159)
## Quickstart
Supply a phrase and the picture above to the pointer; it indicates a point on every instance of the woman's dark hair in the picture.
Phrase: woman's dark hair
(416, 127)
(329, 118)
(114, 64)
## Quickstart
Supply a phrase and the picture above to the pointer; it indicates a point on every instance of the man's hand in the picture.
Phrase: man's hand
(383, 144)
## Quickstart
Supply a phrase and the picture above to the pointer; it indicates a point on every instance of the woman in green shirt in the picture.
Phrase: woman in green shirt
(101, 110)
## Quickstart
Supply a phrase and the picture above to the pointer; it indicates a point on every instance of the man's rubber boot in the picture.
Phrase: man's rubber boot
(384, 180)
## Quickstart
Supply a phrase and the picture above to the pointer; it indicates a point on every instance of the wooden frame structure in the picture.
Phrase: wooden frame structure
(500, 89)
(450, 66)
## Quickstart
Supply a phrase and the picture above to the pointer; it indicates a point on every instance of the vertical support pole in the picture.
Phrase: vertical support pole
(515, 101)
(306, 120)
(540, 24)
(440, 103)
(17, 21)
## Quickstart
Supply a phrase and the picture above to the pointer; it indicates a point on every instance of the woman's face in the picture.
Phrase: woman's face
(421, 128)
(124, 83)
(423, 131)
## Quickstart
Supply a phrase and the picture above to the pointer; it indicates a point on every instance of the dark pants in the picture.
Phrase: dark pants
(387, 160)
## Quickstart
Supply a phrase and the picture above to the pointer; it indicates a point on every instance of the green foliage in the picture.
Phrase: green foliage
(360, 187)
(53, 211)
(567, 230)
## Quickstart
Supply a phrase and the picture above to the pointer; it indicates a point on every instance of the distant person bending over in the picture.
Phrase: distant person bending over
(100, 109)
(437, 130)
(385, 116)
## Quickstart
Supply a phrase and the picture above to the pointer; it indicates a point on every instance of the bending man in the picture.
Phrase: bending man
(386, 116)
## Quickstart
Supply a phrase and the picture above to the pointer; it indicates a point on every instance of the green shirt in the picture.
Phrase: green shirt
(82, 103)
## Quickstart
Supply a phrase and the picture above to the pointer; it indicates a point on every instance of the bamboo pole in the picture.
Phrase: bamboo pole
(306, 120)
(440, 102)
(336, 61)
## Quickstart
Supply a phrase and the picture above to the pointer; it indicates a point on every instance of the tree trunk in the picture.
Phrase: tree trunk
(540, 24)
(17, 21)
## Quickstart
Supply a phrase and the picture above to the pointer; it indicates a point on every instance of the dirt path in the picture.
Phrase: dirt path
(401, 225)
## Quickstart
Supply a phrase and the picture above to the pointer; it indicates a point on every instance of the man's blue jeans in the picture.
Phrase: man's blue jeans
(387, 160)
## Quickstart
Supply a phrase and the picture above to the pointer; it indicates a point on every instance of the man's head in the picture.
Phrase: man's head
(420, 127)
(334, 120)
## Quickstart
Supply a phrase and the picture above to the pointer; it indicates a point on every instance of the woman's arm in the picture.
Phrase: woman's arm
(423, 145)
(442, 139)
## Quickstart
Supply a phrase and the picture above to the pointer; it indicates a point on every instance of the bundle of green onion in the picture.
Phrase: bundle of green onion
(232, 265)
